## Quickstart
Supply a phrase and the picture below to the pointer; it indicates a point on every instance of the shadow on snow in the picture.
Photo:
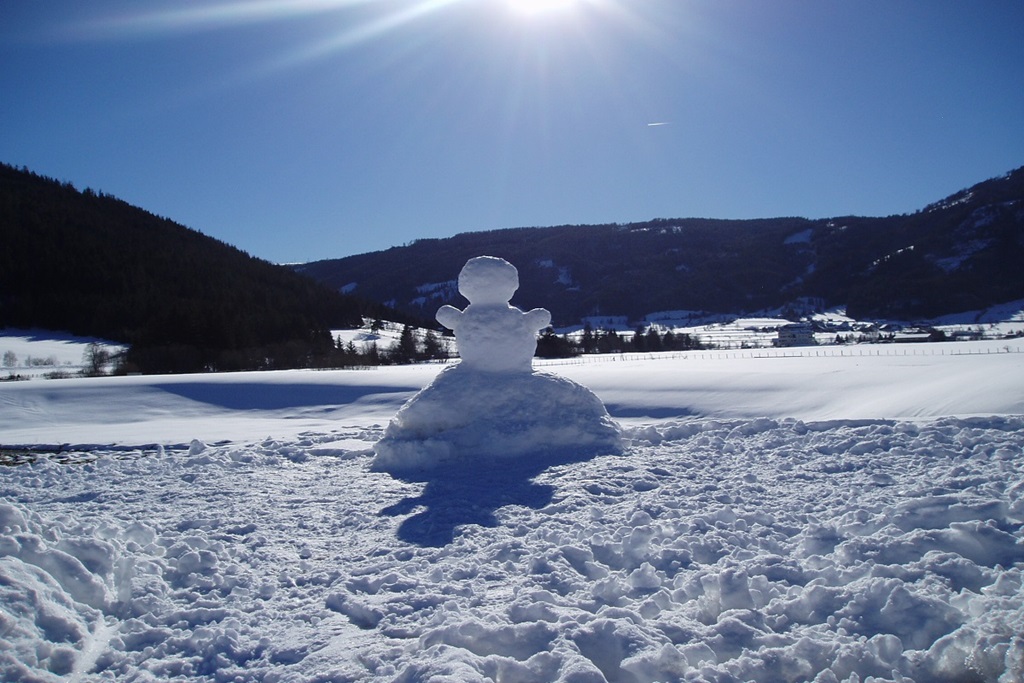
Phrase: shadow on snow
(471, 493)
(256, 396)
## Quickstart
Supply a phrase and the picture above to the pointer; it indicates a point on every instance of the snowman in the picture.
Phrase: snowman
(491, 334)
(492, 407)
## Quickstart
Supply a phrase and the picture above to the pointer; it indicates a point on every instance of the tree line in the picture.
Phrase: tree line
(90, 264)
(416, 345)
(553, 345)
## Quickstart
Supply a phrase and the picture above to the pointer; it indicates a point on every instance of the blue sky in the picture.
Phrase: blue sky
(307, 129)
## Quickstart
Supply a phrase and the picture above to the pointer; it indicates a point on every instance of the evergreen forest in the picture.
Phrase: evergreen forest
(90, 264)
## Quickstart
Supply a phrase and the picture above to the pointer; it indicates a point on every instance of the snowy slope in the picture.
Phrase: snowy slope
(36, 353)
(774, 518)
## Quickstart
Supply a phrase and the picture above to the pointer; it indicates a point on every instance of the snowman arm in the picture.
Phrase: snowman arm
(538, 318)
(448, 316)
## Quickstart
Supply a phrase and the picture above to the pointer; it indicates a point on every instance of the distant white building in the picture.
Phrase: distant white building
(796, 334)
(912, 336)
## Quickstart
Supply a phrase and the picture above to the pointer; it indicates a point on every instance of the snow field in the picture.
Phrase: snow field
(922, 381)
(770, 519)
(38, 353)
(713, 550)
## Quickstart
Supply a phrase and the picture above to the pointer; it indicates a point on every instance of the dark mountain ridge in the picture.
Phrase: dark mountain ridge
(961, 253)
(90, 264)
(93, 265)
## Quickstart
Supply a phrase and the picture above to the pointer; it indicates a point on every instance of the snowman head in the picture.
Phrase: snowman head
(488, 280)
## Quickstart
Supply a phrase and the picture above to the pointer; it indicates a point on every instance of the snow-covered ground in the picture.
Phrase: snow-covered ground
(773, 518)
(39, 353)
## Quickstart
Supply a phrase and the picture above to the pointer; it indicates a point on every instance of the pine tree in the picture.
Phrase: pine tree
(639, 339)
(653, 341)
(432, 347)
(587, 343)
(550, 345)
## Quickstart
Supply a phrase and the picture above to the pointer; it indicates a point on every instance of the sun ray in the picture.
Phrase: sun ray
(537, 7)
(243, 12)
(376, 19)
(368, 31)
(206, 17)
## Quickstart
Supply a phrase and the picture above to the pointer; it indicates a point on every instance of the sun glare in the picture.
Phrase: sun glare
(537, 7)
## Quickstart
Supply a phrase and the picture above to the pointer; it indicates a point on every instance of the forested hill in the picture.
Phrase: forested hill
(93, 265)
(958, 254)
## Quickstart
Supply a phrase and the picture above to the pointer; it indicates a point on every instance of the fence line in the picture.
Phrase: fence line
(887, 350)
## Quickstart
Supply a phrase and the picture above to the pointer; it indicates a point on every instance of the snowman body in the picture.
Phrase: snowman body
(491, 334)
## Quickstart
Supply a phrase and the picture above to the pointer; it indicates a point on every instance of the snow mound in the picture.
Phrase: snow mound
(466, 415)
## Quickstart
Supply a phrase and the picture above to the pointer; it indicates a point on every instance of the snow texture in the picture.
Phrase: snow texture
(491, 406)
(877, 537)
(714, 550)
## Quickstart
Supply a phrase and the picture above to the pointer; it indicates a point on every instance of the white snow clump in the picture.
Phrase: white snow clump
(492, 405)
